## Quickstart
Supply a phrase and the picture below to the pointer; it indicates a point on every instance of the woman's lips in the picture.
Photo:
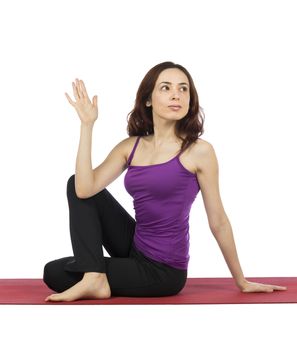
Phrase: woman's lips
(175, 108)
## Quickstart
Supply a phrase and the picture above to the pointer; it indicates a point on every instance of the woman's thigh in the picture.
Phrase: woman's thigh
(139, 276)
(102, 212)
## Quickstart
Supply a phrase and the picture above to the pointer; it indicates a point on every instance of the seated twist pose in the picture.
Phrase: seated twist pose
(167, 165)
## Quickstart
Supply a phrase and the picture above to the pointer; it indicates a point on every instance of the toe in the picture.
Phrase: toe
(53, 297)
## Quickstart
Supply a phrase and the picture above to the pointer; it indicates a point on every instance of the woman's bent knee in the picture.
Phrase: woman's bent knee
(71, 184)
(55, 276)
(49, 274)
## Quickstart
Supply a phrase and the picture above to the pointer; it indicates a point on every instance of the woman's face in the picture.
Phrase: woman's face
(172, 88)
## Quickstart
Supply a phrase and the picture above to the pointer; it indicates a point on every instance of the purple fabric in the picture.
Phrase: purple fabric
(162, 198)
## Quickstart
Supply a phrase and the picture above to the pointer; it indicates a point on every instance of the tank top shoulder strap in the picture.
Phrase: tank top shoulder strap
(179, 153)
(133, 150)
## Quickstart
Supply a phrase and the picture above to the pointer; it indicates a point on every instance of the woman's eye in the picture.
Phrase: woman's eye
(165, 86)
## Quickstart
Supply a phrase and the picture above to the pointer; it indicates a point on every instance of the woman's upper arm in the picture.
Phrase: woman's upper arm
(112, 167)
(208, 178)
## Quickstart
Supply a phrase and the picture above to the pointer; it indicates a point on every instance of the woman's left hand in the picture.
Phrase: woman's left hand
(250, 287)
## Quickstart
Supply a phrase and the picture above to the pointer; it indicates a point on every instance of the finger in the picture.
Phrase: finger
(95, 101)
(271, 288)
(279, 287)
(81, 92)
(75, 92)
(69, 99)
(83, 89)
(78, 89)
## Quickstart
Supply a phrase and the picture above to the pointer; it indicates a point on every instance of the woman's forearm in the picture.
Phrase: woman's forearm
(224, 237)
(84, 177)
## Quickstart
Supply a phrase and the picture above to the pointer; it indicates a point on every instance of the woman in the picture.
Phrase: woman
(167, 164)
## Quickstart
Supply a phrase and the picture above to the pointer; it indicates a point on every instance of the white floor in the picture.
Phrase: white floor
(141, 327)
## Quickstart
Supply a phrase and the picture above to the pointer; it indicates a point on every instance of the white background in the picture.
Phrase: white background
(242, 57)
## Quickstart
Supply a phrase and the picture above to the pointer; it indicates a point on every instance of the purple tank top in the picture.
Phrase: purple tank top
(162, 198)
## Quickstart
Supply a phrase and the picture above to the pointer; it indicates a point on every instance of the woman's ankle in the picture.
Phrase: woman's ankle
(94, 275)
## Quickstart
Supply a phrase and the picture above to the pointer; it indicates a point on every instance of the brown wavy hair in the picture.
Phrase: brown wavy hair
(140, 119)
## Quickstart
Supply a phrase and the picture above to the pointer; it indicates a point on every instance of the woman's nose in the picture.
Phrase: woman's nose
(175, 94)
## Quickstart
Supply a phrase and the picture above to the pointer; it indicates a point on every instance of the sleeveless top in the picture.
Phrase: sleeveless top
(162, 198)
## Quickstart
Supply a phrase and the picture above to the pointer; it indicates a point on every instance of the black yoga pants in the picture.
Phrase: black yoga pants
(99, 221)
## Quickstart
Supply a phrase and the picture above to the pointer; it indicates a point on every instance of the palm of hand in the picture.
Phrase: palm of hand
(86, 110)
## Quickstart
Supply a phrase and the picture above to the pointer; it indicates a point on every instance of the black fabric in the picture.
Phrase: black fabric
(101, 221)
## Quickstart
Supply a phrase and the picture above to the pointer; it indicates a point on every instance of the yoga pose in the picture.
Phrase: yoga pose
(167, 165)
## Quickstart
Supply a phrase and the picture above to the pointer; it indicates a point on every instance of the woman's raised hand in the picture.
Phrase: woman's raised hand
(86, 110)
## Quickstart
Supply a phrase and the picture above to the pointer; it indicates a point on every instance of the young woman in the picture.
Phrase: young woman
(167, 165)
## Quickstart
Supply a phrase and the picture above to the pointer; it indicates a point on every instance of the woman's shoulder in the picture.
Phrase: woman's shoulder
(129, 140)
(127, 144)
(201, 146)
(199, 150)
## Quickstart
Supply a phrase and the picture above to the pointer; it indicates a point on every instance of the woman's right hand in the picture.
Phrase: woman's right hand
(86, 110)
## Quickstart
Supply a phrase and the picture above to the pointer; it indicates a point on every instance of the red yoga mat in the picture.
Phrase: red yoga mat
(196, 291)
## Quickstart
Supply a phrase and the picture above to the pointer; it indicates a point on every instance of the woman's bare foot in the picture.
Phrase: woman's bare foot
(94, 285)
